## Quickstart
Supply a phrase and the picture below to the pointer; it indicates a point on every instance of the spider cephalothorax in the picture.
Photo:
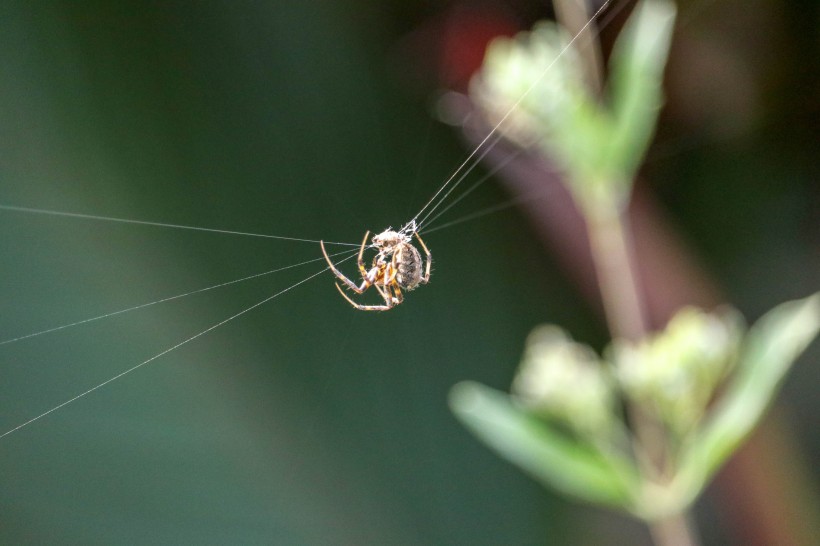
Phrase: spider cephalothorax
(397, 265)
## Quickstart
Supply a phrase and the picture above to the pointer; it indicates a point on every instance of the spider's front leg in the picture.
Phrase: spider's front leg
(367, 276)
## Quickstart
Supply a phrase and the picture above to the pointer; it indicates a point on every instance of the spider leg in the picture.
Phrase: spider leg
(366, 278)
(382, 292)
(390, 272)
(398, 297)
(429, 258)
(392, 295)
(365, 307)
(387, 285)
(360, 260)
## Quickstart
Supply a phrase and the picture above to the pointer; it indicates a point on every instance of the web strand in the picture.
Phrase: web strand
(495, 170)
(163, 300)
(461, 178)
(160, 224)
(512, 109)
(165, 352)
(490, 210)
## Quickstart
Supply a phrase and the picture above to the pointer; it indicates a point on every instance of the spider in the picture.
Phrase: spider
(397, 266)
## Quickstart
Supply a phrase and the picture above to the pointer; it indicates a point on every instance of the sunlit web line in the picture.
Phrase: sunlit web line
(161, 224)
(613, 14)
(414, 225)
(492, 172)
(487, 149)
(166, 351)
(509, 112)
(533, 196)
(163, 300)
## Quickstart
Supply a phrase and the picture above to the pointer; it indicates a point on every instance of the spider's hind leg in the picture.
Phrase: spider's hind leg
(428, 258)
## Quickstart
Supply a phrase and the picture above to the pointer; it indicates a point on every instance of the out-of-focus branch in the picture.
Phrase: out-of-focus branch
(669, 277)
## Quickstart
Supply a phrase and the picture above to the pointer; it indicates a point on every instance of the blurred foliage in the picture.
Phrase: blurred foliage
(656, 459)
(536, 81)
(544, 427)
(303, 422)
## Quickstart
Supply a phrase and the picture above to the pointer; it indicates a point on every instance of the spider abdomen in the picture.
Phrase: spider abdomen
(408, 266)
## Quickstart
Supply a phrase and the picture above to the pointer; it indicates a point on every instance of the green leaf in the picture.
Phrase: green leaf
(550, 456)
(770, 348)
(636, 76)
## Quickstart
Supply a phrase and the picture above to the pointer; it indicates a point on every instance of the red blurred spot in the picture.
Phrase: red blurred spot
(466, 32)
(450, 47)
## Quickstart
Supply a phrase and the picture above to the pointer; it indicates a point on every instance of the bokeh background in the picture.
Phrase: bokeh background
(303, 421)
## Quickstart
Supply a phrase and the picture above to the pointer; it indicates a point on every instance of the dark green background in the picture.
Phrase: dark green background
(302, 422)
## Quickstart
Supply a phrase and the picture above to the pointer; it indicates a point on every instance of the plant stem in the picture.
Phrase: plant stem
(574, 16)
(611, 246)
(611, 252)
(675, 530)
